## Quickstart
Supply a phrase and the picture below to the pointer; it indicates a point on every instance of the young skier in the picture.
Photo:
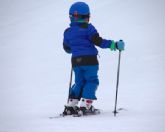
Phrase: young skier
(80, 40)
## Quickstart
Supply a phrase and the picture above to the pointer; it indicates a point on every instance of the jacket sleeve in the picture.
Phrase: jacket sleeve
(66, 46)
(95, 38)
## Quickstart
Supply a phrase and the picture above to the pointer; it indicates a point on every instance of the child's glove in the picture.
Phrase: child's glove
(117, 45)
(120, 45)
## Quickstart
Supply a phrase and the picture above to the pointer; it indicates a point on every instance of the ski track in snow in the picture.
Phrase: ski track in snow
(34, 69)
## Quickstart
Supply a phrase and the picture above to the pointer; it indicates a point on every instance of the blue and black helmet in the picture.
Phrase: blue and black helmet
(79, 12)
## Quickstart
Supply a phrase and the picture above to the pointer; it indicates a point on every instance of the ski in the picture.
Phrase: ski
(118, 110)
(58, 116)
(96, 112)
(88, 113)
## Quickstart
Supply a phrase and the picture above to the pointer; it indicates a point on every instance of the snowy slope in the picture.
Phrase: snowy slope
(34, 69)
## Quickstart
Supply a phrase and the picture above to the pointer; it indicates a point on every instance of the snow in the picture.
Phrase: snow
(35, 71)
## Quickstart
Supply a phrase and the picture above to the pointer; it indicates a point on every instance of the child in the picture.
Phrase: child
(80, 40)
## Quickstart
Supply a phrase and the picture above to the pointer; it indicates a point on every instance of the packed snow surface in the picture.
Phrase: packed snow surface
(35, 70)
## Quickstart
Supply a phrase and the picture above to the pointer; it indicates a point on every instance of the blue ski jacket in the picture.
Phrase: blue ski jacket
(80, 40)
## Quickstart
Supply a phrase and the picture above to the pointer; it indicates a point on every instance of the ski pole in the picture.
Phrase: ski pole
(70, 83)
(117, 84)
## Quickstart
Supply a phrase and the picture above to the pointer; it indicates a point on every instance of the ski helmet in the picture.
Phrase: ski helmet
(79, 12)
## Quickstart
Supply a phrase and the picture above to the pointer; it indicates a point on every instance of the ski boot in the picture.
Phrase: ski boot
(71, 107)
(86, 108)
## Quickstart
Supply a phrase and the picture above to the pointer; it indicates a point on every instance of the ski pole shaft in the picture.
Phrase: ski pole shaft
(70, 83)
(117, 84)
